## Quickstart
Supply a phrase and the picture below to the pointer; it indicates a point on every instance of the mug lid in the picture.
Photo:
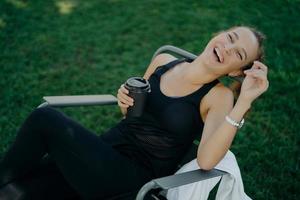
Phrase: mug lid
(137, 82)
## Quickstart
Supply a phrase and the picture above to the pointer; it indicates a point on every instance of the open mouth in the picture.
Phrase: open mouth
(217, 54)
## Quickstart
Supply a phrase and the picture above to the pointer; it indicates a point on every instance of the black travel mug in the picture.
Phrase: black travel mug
(138, 90)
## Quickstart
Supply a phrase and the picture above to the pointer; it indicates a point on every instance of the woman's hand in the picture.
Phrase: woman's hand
(255, 82)
(124, 101)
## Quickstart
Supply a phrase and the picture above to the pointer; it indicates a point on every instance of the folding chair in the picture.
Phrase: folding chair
(156, 189)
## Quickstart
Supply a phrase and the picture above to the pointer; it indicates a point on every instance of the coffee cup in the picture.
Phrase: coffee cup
(138, 90)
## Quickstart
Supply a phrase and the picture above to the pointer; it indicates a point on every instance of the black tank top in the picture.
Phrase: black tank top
(161, 136)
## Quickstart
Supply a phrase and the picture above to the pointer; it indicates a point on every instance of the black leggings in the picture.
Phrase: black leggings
(79, 160)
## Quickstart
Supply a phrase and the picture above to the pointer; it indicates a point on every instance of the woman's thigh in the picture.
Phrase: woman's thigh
(91, 166)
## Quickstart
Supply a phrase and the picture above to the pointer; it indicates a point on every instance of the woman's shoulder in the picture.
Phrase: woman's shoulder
(219, 94)
(162, 59)
(221, 90)
(159, 60)
(218, 98)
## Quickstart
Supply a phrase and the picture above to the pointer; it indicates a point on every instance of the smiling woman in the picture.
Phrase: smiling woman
(238, 46)
(232, 53)
(186, 100)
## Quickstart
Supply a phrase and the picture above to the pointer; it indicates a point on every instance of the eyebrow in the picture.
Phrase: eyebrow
(237, 37)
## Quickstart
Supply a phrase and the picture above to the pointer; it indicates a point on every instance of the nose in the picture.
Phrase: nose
(229, 47)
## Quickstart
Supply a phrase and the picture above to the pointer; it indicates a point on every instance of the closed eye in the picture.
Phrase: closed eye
(239, 55)
(230, 38)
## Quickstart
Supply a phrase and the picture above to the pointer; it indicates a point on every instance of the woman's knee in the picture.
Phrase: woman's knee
(44, 119)
(44, 113)
(52, 122)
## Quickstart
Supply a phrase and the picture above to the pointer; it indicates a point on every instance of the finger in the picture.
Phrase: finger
(123, 89)
(125, 99)
(261, 77)
(122, 104)
(124, 93)
(258, 74)
(254, 70)
(260, 65)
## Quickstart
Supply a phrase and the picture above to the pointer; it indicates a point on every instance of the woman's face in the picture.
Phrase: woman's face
(229, 51)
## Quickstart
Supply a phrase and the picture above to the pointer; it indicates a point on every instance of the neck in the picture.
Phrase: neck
(197, 73)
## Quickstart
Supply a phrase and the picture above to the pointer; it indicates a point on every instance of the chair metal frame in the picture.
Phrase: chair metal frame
(164, 183)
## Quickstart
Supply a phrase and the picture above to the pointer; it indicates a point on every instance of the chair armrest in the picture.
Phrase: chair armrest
(178, 180)
(79, 100)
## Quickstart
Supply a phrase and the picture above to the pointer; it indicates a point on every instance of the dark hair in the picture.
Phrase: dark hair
(236, 85)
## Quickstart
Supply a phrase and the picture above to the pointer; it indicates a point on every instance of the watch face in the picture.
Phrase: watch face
(241, 123)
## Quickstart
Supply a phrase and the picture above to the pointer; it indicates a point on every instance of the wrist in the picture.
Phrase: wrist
(243, 104)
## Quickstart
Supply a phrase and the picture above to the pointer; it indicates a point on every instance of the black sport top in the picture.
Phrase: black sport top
(161, 136)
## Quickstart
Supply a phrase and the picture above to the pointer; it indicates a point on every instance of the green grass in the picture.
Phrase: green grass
(92, 46)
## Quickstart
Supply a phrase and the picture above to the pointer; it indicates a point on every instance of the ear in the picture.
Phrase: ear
(236, 73)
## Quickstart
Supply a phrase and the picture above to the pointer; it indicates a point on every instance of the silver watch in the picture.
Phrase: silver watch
(234, 123)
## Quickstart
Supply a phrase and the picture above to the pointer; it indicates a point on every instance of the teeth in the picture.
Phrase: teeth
(219, 54)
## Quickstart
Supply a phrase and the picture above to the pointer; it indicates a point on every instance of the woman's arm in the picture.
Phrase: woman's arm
(218, 134)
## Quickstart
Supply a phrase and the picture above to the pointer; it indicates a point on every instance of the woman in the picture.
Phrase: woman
(186, 100)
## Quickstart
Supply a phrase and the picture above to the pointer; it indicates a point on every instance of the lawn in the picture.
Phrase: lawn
(73, 47)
